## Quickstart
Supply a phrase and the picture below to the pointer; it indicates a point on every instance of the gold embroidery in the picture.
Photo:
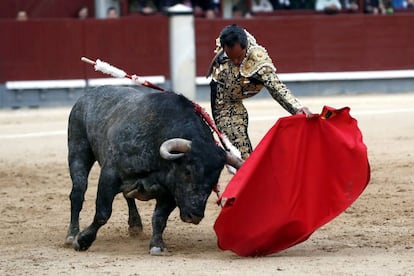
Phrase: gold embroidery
(256, 58)
(235, 84)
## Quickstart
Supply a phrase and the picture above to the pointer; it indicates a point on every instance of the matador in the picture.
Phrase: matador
(239, 70)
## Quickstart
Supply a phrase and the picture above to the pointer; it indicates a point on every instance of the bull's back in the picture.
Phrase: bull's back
(93, 113)
(111, 114)
(123, 128)
(106, 103)
(101, 103)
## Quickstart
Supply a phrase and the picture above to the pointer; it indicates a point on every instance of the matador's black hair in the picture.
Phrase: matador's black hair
(232, 35)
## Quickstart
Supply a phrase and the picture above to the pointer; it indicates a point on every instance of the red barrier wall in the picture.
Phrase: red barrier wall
(321, 43)
(51, 48)
(138, 45)
(40, 49)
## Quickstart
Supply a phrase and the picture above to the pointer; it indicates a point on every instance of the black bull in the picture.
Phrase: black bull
(133, 137)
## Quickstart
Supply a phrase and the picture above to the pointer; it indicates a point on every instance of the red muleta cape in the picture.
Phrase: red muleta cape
(301, 175)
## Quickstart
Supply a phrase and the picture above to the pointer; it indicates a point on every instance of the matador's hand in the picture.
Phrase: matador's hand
(306, 111)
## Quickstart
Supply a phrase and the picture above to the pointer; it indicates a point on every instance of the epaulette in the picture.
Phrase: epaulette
(256, 58)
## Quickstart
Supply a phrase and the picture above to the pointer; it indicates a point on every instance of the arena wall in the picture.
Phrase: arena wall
(51, 48)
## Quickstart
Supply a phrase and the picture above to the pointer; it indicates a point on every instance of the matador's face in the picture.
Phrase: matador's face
(236, 54)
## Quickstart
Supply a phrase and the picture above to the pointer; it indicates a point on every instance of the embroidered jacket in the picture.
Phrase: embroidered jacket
(255, 72)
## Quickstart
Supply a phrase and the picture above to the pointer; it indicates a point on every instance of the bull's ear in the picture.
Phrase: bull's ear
(177, 145)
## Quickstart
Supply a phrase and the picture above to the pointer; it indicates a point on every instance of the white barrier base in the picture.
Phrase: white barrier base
(332, 76)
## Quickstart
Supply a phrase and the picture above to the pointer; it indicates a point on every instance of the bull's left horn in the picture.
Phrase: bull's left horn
(178, 145)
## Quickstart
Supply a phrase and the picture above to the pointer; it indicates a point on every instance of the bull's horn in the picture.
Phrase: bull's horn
(178, 145)
(233, 160)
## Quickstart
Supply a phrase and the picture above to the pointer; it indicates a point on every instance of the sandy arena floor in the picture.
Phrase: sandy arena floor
(375, 236)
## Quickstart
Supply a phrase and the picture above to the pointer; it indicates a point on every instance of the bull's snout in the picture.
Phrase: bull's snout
(191, 218)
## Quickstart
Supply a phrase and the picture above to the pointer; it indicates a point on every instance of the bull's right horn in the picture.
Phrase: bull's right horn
(178, 145)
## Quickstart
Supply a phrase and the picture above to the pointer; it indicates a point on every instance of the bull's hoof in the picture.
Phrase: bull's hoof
(71, 235)
(79, 246)
(158, 251)
(135, 231)
(69, 240)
